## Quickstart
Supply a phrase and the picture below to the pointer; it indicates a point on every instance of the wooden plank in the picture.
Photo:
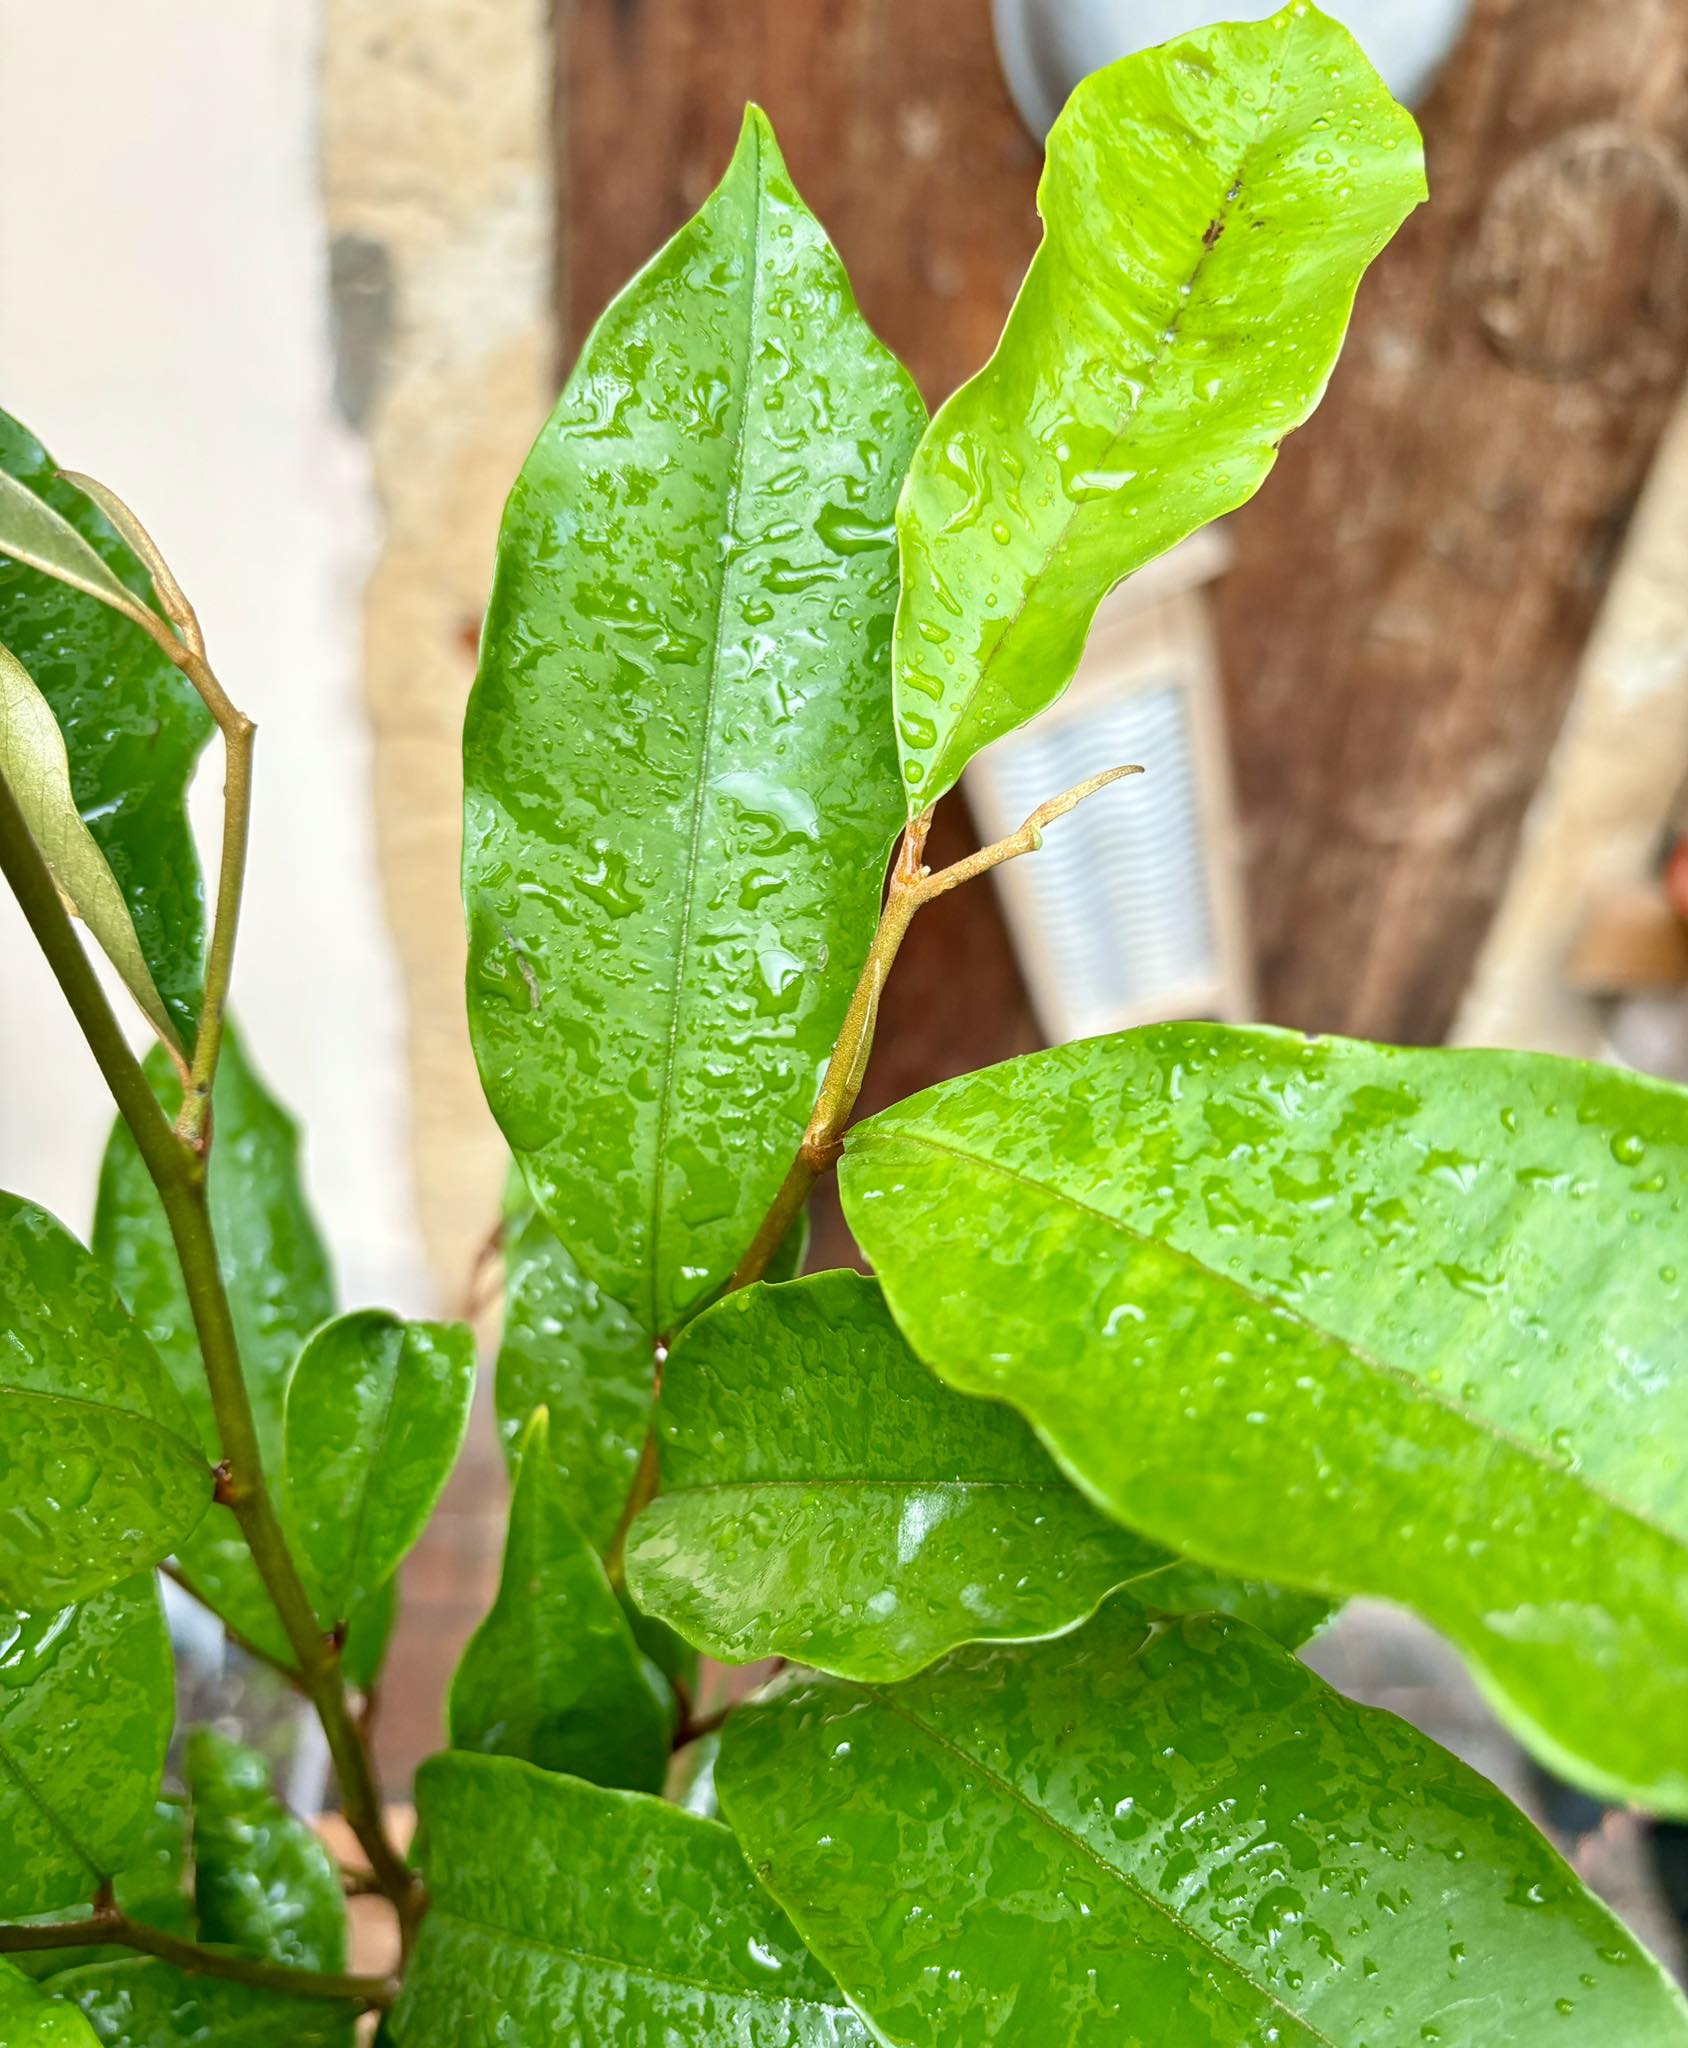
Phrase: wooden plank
(898, 129)
(1413, 587)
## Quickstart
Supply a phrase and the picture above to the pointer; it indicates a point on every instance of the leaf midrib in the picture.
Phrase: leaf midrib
(1010, 1791)
(1170, 332)
(550, 1945)
(735, 487)
(1415, 1388)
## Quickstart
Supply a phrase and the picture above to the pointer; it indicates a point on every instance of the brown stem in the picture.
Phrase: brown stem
(110, 1928)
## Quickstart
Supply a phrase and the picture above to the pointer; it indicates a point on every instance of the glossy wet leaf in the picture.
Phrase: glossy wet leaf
(99, 1470)
(151, 1887)
(553, 1673)
(567, 1348)
(36, 769)
(680, 776)
(276, 1272)
(133, 725)
(1365, 1320)
(826, 1498)
(1209, 208)
(565, 1913)
(137, 2002)
(263, 1881)
(376, 1411)
(31, 2018)
(87, 1694)
(1168, 1835)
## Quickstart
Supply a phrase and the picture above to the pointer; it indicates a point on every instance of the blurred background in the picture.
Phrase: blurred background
(301, 278)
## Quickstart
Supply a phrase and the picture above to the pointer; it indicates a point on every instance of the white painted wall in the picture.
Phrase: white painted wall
(163, 326)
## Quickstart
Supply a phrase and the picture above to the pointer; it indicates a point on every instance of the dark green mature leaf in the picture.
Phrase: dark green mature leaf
(376, 1411)
(277, 1276)
(99, 1471)
(29, 2018)
(263, 1881)
(1209, 208)
(825, 1498)
(567, 1348)
(1168, 1833)
(36, 769)
(680, 777)
(563, 1913)
(133, 727)
(140, 2003)
(86, 1701)
(1364, 1320)
(553, 1674)
(151, 1887)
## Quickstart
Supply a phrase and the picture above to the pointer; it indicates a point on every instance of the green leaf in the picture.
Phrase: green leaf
(1209, 208)
(553, 1673)
(680, 775)
(279, 1288)
(140, 2003)
(1362, 1320)
(151, 1887)
(569, 1914)
(99, 1473)
(36, 769)
(133, 725)
(86, 1701)
(368, 1634)
(825, 1498)
(29, 2018)
(1168, 1832)
(376, 1411)
(567, 1348)
(263, 1881)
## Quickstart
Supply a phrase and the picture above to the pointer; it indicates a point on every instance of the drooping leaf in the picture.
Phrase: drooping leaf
(375, 1416)
(276, 1272)
(553, 1673)
(1363, 1320)
(1167, 1833)
(567, 1348)
(36, 769)
(1209, 208)
(151, 1887)
(825, 1498)
(680, 778)
(31, 2018)
(565, 1913)
(133, 725)
(86, 1701)
(141, 2003)
(263, 1882)
(100, 1474)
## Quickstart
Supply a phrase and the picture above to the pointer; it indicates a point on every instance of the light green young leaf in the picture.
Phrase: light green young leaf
(141, 2003)
(36, 769)
(276, 1272)
(597, 1917)
(32, 533)
(568, 1348)
(133, 725)
(31, 2018)
(1359, 1319)
(263, 1882)
(1167, 1832)
(680, 774)
(87, 1695)
(553, 1673)
(375, 1416)
(100, 1474)
(825, 1498)
(1209, 208)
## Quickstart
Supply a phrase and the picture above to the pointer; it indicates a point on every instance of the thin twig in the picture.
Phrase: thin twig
(108, 1927)
(243, 1643)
